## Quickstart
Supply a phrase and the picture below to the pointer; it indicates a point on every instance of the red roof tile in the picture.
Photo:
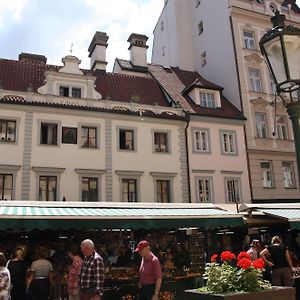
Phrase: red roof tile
(23, 75)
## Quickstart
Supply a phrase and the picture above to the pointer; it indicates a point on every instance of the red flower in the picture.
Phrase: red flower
(227, 255)
(258, 263)
(244, 263)
(243, 255)
(214, 258)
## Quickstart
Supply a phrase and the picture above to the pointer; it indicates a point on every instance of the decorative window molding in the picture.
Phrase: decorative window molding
(228, 142)
(49, 133)
(204, 189)
(233, 172)
(161, 141)
(48, 172)
(203, 171)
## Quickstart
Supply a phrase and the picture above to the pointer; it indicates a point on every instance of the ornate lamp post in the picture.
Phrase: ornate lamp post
(281, 48)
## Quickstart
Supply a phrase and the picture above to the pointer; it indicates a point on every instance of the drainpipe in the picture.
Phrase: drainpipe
(187, 119)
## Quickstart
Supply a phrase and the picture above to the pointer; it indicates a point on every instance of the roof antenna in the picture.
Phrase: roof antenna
(71, 48)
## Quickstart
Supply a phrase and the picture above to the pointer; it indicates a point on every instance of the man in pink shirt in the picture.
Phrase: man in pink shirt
(150, 273)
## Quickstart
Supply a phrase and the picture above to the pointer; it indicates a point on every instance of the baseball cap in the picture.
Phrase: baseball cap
(254, 242)
(141, 245)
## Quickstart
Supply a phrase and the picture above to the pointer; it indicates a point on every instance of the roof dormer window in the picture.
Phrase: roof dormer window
(66, 91)
(207, 99)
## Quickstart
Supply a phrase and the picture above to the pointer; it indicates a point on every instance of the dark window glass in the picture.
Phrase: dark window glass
(7, 131)
(88, 137)
(64, 91)
(6, 186)
(129, 190)
(48, 134)
(126, 139)
(89, 189)
(47, 188)
(163, 191)
(69, 135)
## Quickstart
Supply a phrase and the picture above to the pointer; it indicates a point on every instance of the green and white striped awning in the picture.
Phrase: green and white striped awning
(91, 215)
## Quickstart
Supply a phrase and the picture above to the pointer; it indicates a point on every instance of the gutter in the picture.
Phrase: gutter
(187, 119)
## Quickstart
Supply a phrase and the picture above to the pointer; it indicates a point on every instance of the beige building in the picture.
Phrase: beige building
(219, 39)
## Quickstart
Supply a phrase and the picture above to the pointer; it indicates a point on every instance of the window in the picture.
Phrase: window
(48, 134)
(272, 85)
(163, 191)
(88, 137)
(200, 27)
(47, 188)
(76, 92)
(65, 91)
(228, 142)
(261, 125)
(207, 99)
(255, 82)
(281, 128)
(288, 174)
(232, 186)
(161, 142)
(7, 131)
(267, 174)
(129, 190)
(201, 140)
(126, 139)
(249, 41)
(203, 59)
(69, 135)
(204, 190)
(6, 186)
(89, 190)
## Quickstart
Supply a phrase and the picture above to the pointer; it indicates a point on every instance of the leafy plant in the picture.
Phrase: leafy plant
(226, 278)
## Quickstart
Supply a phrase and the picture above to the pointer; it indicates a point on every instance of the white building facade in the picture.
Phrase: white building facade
(219, 39)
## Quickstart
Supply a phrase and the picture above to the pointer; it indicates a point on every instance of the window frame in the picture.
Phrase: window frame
(11, 170)
(258, 126)
(17, 124)
(45, 171)
(207, 101)
(235, 179)
(47, 183)
(136, 175)
(280, 133)
(167, 176)
(234, 134)
(253, 80)
(2, 193)
(98, 134)
(70, 90)
(168, 141)
(247, 40)
(63, 134)
(211, 191)
(194, 142)
(265, 175)
(134, 139)
(292, 173)
(58, 135)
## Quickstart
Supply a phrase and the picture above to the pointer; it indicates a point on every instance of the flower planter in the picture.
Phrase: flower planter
(276, 293)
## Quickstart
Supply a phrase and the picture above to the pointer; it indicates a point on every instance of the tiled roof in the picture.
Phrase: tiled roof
(27, 75)
(175, 80)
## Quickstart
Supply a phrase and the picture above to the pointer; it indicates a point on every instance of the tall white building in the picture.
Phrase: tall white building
(219, 39)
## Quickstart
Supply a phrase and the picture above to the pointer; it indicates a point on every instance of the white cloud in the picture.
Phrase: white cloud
(11, 9)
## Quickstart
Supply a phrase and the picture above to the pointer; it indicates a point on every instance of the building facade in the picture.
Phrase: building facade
(69, 134)
(227, 53)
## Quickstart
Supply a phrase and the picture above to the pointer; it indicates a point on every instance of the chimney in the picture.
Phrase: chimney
(138, 49)
(32, 57)
(97, 50)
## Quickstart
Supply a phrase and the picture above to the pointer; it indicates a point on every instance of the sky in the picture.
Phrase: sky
(50, 27)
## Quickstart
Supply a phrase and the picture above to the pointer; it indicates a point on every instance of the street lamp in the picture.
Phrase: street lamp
(281, 48)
